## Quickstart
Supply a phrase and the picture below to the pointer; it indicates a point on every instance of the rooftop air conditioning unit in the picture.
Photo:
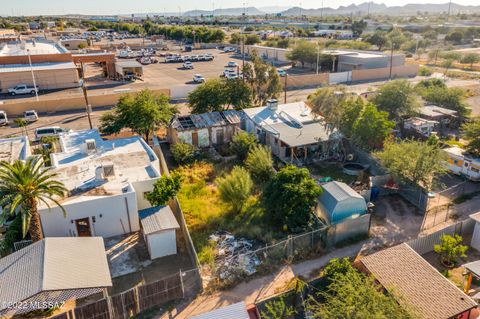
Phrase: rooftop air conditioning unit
(272, 104)
(108, 170)
(91, 145)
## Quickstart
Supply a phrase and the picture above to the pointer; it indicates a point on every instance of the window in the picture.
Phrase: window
(455, 161)
(466, 164)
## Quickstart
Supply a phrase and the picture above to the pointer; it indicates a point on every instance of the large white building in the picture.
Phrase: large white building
(106, 180)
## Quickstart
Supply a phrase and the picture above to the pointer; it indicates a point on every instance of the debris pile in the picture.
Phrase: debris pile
(234, 257)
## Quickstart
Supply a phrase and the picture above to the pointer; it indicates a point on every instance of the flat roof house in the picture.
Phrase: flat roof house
(106, 180)
(291, 130)
(417, 285)
(52, 270)
(14, 148)
(338, 202)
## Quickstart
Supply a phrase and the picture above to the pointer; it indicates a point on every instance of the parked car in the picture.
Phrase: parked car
(282, 72)
(229, 49)
(209, 57)
(188, 65)
(231, 76)
(30, 116)
(3, 118)
(232, 64)
(48, 131)
(22, 89)
(227, 72)
(198, 78)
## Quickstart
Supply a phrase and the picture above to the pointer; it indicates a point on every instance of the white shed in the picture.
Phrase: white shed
(159, 229)
(475, 243)
(234, 311)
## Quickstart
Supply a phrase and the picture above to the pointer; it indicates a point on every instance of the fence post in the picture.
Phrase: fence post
(109, 307)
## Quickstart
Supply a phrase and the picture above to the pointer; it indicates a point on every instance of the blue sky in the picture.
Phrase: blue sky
(37, 7)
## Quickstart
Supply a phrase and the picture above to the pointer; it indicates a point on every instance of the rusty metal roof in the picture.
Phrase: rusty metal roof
(206, 120)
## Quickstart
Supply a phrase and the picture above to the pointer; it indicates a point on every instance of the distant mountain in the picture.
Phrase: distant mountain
(251, 11)
(274, 9)
(375, 8)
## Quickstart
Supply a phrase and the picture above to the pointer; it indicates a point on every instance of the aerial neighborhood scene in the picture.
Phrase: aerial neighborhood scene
(239, 160)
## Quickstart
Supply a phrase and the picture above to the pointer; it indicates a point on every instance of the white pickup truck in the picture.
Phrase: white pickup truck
(22, 89)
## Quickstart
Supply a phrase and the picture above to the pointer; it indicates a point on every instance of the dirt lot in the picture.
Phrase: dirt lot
(395, 220)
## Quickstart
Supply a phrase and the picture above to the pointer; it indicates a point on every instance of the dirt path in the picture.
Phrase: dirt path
(260, 288)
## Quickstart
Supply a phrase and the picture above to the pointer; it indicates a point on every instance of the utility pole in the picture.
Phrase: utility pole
(318, 54)
(85, 95)
(449, 7)
(391, 62)
(33, 75)
(321, 13)
(285, 89)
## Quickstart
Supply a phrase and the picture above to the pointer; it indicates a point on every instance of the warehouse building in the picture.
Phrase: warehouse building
(52, 65)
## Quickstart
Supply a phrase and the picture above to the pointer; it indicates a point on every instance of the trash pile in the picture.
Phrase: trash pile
(234, 256)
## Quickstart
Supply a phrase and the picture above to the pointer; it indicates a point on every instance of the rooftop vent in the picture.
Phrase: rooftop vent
(91, 145)
(272, 104)
(108, 170)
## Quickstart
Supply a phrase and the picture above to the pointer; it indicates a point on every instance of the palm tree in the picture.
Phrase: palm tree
(22, 186)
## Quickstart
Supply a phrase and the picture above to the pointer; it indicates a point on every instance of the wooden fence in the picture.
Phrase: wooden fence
(129, 303)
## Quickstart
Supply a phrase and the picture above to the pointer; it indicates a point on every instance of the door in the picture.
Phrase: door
(83, 227)
(195, 138)
(220, 137)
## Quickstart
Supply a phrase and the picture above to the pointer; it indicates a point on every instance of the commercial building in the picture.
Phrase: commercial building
(106, 182)
(349, 60)
(51, 63)
(291, 130)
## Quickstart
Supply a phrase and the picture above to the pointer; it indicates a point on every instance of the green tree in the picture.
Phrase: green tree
(352, 108)
(259, 163)
(471, 133)
(413, 161)
(455, 36)
(447, 64)
(242, 143)
(208, 97)
(352, 295)
(398, 98)
(303, 52)
(436, 92)
(358, 27)
(470, 58)
(251, 39)
(278, 309)
(235, 188)
(329, 103)
(378, 38)
(238, 93)
(263, 79)
(183, 153)
(290, 197)
(450, 249)
(22, 186)
(164, 189)
(372, 127)
(143, 113)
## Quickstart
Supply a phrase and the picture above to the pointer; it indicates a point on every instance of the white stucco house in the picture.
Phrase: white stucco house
(106, 180)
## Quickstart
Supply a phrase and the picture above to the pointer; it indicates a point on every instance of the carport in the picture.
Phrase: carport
(159, 229)
(127, 69)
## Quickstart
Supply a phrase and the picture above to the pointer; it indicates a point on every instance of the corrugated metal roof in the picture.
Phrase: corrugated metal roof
(129, 64)
(205, 120)
(473, 267)
(9, 68)
(420, 286)
(235, 311)
(55, 263)
(157, 218)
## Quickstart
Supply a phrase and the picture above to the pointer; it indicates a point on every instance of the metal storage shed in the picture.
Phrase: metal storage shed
(338, 202)
(159, 229)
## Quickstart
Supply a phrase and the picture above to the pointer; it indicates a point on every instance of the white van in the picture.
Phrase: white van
(48, 131)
